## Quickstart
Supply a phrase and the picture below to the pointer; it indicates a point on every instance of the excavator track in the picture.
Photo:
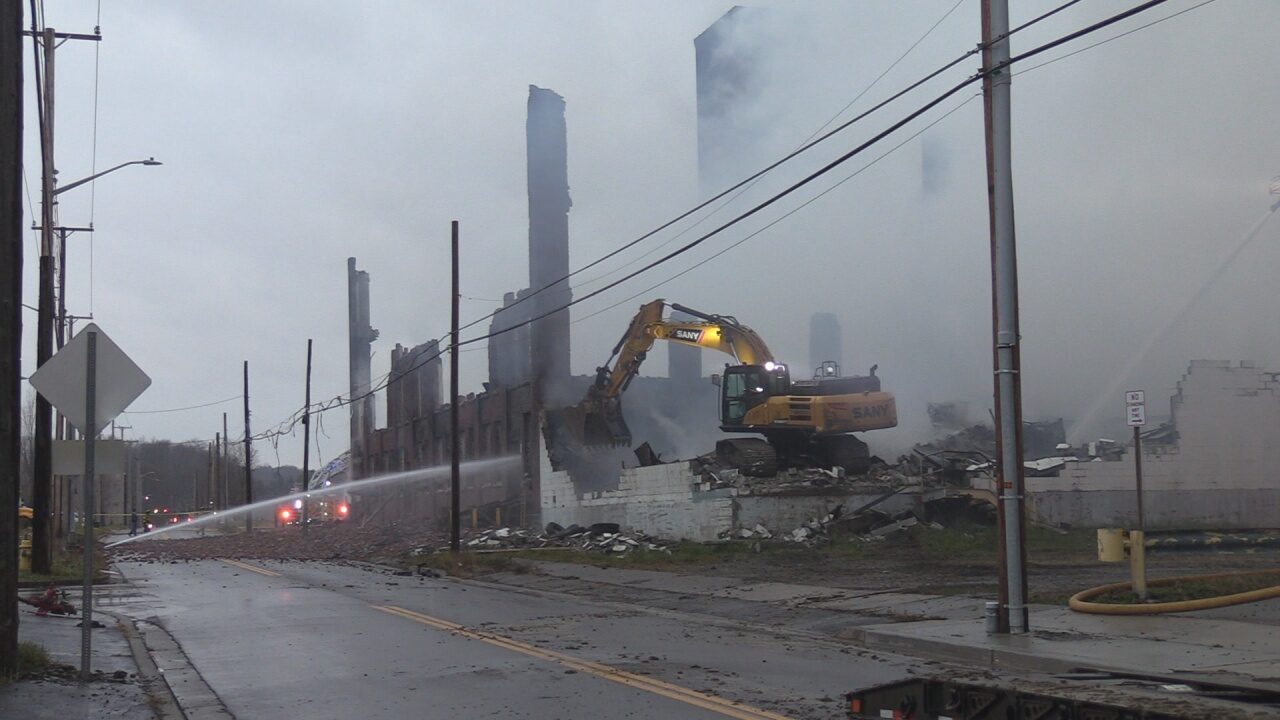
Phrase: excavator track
(750, 456)
(845, 451)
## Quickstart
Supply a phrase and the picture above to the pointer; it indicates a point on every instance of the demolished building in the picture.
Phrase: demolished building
(528, 370)
(1215, 465)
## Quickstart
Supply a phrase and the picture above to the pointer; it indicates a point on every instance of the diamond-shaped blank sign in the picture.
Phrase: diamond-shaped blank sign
(62, 380)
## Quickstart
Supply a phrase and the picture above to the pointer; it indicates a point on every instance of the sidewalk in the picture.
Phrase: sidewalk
(1210, 651)
(116, 694)
(1225, 651)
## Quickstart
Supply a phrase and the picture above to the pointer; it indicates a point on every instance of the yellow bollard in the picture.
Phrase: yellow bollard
(24, 556)
(475, 518)
(1111, 544)
(497, 517)
(1138, 563)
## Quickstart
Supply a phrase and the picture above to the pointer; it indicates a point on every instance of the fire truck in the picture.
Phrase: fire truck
(324, 503)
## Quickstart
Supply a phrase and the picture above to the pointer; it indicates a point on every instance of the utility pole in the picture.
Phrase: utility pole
(42, 443)
(217, 472)
(306, 441)
(10, 323)
(248, 455)
(455, 502)
(226, 464)
(124, 484)
(227, 459)
(62, 430)
(1012, 617)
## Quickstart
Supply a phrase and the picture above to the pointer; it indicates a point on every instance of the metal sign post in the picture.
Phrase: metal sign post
(90, 381)
(1136, 412)
(91, 432)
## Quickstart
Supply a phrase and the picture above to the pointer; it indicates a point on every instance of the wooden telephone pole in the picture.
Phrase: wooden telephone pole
(306, 441)
(10, 322)
(248, 454)
(455, 502)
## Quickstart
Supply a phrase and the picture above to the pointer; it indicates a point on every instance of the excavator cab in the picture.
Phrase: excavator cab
(745, 386)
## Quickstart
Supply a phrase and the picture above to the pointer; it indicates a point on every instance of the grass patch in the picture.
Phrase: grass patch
(978, 543)
(66, 566)
(32, 658)
(1191, 589)
(465, 564)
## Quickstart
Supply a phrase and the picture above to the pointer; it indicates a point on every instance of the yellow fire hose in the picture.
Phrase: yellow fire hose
(1080, 601)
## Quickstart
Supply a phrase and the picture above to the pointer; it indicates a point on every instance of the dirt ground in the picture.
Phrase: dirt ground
(332, 541)
(967, 565)
(957, 560)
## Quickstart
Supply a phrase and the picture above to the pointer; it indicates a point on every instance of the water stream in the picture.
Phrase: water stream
(407, 477)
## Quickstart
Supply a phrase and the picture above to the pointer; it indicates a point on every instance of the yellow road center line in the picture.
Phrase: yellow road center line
(685, 695)
(250, 568)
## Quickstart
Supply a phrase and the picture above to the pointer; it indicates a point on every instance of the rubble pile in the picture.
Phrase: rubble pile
(332, 541)
(604, 538)
(716, 476)
(866, 524)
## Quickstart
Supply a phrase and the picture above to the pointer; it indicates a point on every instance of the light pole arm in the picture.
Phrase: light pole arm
(95, 176)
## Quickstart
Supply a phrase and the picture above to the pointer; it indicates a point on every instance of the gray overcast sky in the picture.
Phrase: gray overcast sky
(294, 139)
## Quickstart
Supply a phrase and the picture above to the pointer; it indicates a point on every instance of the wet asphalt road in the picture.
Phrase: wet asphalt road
(342, 641)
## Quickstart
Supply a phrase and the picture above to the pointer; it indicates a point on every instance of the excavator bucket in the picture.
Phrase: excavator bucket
(591, 425)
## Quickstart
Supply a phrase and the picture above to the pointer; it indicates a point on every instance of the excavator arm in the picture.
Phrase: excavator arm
(601, 412)
(710, 332)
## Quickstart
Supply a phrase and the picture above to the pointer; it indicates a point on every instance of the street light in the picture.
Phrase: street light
(95, 176)
(42, 451)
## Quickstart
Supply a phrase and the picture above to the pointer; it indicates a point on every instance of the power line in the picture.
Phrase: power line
(786, 215)
(852, 153)
(182, 409)
(802, 144)
(775, 198)
(1117, 37)
(764, 171)
(288, 424)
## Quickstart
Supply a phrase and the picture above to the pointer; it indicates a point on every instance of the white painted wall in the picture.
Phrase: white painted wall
(1224, 472)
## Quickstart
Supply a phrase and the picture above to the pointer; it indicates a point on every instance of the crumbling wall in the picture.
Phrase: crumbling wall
(415, 387)
(549, 203)
(658, 500)
(673, 501)
(1224, 471)
(509, 352)
(360, 337)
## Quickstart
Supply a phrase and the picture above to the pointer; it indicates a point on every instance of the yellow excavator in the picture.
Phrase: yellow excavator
(804, 422)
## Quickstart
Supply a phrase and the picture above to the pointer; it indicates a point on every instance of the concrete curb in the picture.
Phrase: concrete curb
(1016, 660)
(168, 708)
(193, 697)
(159, 655)
(870, 637)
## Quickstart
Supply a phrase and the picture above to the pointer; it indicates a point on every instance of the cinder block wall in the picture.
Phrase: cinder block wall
(659, 500)
(1223, 473)
(669, 501)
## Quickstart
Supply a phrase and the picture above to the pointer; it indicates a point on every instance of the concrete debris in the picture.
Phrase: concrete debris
(647, 456)
(865, 523)
(899, 526)
(606, 538)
